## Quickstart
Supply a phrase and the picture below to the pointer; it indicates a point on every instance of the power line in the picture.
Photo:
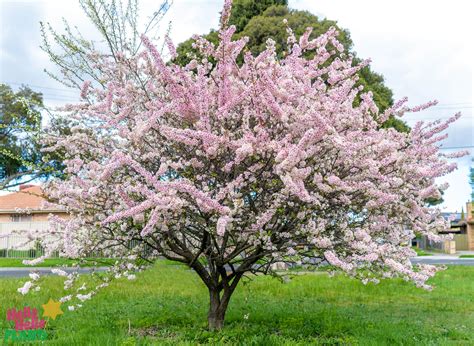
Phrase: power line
(61, 97)
(459, 147)
(48, 95)
(454, 103)
(443, 105)
(471, 118)
(41, 87)
(449, 107)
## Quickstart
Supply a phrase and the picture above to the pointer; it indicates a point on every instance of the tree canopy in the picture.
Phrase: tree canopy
(260, 20)
(20, 122)
(244, 10)
(21, 154)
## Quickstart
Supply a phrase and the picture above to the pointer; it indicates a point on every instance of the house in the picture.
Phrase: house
(462, 230)
(23, 212)
(25, 205)
(465, 238)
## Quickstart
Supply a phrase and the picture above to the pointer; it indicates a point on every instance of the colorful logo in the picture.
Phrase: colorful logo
(28, 326)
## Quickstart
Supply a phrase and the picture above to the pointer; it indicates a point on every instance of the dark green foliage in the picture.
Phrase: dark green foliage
(432, 201)
(20, 122)
(260, 20)
(244, 10)
(270, 25)
(397, 124)
(21, 158)
(187, 47)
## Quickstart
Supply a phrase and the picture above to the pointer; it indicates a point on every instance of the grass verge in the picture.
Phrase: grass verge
(167, 305)
(420, 252)
(53, 262)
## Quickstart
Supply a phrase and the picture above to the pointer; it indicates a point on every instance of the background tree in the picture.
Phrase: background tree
(244, 10)
(21, 158)
(77, 59)
(433, 201)
(260, 20)
(230, 168)
(20, 122)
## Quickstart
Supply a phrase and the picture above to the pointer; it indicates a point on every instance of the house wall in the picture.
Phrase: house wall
(470, 235)
(36, 217)
(470, 225)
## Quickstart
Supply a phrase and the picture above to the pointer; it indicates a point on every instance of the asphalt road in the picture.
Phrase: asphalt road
(440, 260)
(446, 260)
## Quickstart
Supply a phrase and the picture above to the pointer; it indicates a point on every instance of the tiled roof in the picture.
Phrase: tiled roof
(28, 197)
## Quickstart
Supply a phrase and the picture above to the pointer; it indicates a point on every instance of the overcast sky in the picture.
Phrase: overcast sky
(423, 48)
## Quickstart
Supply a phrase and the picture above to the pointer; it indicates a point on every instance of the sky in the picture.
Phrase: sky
(423, 48)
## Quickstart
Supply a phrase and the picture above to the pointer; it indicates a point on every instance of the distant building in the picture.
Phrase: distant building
(457, 224)
(22, 212)
(468, 226)
(25, 205)
(462, 228)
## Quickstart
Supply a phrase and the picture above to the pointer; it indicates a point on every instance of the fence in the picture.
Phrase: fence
(16, 245)
(9, 250)
(19, 246)
(7, 227)
(447, 246)
(461, 242)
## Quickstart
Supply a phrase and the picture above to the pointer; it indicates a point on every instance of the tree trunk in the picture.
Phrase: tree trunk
(217, 309)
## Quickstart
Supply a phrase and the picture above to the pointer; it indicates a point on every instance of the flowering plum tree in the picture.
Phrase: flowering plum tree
(230, 168)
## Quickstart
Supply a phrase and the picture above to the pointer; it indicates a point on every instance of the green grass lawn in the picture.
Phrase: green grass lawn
(52, 262)
(466, 256)
(420, 252)
(168, 305)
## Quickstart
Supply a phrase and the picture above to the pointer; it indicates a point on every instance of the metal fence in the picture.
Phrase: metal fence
(8, 227)
(17, 245)
(20, 247)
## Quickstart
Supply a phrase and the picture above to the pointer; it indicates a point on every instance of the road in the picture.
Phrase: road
(447, 260)
(439, 260)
